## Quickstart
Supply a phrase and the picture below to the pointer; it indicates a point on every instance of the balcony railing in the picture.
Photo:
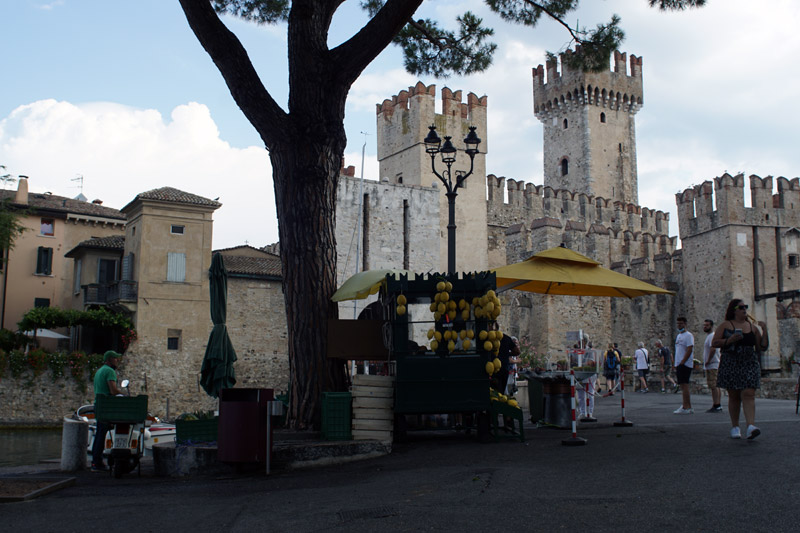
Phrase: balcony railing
(110, 293)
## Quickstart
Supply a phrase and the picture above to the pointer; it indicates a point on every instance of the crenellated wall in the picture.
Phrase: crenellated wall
(733, 251)
(402, 124)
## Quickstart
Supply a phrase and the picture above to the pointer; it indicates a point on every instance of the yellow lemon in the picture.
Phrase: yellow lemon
(443, 297)
(434, 346)
(462, 303)
(489, 307)
(451, 305)
(451, 346)
(465, 315)
(487, 346)
(482, 335)
(513, 403)
(497, 364)
(475, 301)
(437, 315)
(401, 300)
(401, 310)
(440, 286)
(433, 307)
(462, 334)
(496, 345)
(470, 334)
(448, 286)
(499, 335)
(441, 307)
(430, 333)
(466, 344)
(437, 335)
(452, 315)
(489, 368)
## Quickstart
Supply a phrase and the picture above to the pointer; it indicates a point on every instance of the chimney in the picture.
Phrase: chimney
(97, 202)
(21, 197)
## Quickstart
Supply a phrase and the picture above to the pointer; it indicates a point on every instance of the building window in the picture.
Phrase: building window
(176, 267)
(794, 260)
(44, 261)
(173, 339)
(41, 302)
(106, 270)
(47, 227)
(566, 124)
(177, 230)
(564, 167)
(603, 118)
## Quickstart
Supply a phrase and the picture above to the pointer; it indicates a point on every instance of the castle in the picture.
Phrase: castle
(589, 202)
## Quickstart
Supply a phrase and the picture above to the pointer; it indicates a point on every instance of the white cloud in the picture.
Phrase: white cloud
(122, 151)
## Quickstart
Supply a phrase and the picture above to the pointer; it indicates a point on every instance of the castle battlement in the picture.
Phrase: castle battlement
(527, 201)
(571, 88)
(712, 205)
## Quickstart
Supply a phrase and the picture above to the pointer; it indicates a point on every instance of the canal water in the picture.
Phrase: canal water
(19, 447)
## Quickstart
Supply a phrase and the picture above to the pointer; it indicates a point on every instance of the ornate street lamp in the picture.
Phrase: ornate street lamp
(433, 146)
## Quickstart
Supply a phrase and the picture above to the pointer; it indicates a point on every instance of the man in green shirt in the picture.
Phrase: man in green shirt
(105, 383)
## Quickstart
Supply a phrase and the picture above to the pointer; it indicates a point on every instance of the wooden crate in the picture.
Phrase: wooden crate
(373, 402)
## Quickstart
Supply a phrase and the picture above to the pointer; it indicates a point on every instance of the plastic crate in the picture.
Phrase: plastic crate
(130, 409)
(193, 431)
(336, 416)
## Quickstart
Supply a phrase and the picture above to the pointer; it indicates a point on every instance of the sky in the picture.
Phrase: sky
(116, 98)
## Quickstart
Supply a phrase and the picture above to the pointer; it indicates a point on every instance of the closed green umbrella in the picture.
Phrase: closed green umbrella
(217, 372)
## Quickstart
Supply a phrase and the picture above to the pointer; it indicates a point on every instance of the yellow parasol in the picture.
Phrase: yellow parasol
(362, 284)
(564, 272)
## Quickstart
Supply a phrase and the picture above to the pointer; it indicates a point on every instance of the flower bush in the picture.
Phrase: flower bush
(81, 367)
(530, 357)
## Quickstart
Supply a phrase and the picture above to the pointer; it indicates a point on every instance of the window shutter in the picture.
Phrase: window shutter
(127, 267)
(76, 287)
(176, 267)
(48, 261)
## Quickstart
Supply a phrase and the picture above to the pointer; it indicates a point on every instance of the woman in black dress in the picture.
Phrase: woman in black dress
(739, 370)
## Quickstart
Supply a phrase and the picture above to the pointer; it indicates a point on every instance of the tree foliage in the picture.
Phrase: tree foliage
(10, 220)
(306, 142)
(54, 317)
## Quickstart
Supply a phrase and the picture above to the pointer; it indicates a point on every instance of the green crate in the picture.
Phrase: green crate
(126, 409)
(187, 431)
(336, 416)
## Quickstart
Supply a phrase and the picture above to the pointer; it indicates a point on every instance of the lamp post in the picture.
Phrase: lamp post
(433, 146)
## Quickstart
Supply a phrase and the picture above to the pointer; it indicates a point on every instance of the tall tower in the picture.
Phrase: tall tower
(402, 125)
(589, 131)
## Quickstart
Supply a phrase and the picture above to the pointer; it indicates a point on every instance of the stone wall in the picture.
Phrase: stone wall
(40, 400)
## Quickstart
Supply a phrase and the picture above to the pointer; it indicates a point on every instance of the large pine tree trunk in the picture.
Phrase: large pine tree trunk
(306, 174)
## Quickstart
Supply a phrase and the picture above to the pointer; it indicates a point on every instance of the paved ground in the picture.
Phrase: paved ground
(667, 472)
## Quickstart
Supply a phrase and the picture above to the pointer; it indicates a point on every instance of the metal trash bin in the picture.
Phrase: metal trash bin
(557, 405)
(242, 434)
(535, 400)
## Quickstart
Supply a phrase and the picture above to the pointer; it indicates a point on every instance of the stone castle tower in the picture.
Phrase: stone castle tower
(589, 133)
(402, 125)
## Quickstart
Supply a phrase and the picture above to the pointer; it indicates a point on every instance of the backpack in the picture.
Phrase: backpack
(611, 360)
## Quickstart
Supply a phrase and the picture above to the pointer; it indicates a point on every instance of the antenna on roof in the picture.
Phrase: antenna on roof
(78, 178)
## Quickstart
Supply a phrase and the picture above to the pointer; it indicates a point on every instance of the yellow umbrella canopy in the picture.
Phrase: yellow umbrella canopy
(362, 284)
(561, 271)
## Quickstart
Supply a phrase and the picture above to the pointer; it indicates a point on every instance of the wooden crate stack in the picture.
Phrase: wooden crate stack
(373, 402)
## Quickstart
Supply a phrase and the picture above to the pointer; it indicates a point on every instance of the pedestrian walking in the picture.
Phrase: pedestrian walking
(642, 366)
(711, 366)
(610, 369)
(665, 358)
(739, 369)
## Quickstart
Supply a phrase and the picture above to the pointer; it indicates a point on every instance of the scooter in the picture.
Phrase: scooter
(124, 444)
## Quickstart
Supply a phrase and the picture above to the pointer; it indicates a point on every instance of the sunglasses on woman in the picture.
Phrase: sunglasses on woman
(743, 307)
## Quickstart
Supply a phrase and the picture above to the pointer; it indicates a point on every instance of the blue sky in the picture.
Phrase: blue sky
(122, 94)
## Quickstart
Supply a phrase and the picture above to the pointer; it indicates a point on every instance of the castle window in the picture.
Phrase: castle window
(399, 178)
(176, 229)
(174, 339)
(620, 147)
(41, 302)
(176, 267)
(44, 261)
(794, 260)
(564, 167)
(603, 118)
(566, 124)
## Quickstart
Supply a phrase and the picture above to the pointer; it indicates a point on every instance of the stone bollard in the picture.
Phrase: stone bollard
(74, 440)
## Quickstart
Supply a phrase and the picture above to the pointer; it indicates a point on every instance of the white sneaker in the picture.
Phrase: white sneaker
(752, 432)
(682, 411)
(736, 433)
